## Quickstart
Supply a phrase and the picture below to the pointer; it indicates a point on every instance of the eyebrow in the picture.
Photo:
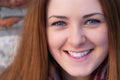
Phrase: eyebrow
(92, 14)
(57, 16)
(85, 16)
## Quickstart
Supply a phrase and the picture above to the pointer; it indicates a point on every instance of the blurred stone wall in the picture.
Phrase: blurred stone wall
(11, 20)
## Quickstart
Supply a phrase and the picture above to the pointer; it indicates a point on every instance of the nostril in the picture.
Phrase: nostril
(77, 39)
(76, 43)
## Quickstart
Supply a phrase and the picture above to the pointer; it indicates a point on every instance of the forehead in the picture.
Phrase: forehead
(77, 6)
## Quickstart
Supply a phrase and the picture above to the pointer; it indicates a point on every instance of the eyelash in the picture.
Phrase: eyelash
(92, 22)
(59, 23)
(87, 22)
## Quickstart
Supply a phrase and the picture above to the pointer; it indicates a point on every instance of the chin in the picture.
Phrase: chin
(79, 74)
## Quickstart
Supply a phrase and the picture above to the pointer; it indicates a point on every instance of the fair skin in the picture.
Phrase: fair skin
(77, 36)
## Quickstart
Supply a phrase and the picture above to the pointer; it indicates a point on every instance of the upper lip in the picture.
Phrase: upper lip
(77, 51)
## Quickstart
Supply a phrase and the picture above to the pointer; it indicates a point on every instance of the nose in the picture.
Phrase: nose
(77, 38)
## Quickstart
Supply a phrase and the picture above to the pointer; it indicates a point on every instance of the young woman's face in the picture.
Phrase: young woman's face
(77, 35)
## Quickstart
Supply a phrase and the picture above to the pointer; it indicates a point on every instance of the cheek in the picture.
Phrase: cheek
(98, 37)
(55, 40)
(101, 39)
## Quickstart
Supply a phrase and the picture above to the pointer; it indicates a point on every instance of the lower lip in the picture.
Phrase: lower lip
(84, 58)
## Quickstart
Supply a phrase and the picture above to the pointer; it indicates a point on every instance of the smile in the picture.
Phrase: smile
(79, 54)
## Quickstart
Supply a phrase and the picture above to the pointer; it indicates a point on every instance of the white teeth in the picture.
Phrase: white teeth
(78, 54)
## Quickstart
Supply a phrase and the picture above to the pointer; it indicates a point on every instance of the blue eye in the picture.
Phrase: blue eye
(59, 23)
(92, 22)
